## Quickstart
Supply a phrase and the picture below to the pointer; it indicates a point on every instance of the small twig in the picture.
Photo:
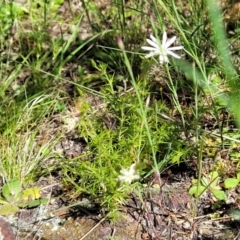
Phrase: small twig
(165, 117)
(237, 237)
(85, 235)
(52, 185)
(223, 136)
(113, 233)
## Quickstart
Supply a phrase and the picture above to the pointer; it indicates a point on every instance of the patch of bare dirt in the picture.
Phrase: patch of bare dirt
(166, 212)
(161, 213)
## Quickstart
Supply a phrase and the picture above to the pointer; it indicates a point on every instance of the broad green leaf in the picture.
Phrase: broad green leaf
(196, 191)
(230, 183)
(15, 9)
(37, 202)
(219, 194)
(56, 5)
(59, 2)
(31, 193)
(3, 201)
(204, 181)
(238, 176)
(8, 209)
(194, 181)
(20, 9)
(11, 190)
(214, 179)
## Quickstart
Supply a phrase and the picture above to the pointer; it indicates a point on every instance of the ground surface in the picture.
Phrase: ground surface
(162, 212)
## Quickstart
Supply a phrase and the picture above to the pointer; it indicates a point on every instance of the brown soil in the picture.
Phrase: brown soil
(162, 212)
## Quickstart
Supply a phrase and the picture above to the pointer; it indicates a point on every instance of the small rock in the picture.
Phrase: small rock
(6, 231)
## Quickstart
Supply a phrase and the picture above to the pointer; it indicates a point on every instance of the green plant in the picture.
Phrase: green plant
(10, 13)
(109, 99)
(204, 74)
(13, 197)
(211, 183)
(116, 135)
(230, 183)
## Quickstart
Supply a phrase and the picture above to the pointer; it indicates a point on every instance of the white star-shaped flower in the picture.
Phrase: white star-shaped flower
(163, 50)
(128, 175)
(70, 121)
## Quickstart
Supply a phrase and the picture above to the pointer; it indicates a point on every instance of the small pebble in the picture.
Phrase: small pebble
(186, 225)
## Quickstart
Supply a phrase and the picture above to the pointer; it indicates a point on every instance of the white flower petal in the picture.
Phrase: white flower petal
(153, 44)
(132, 168)
(173, 54)
(162, 49)
(148, 48)
(128, 175)
(163, 59)
(176, 48)
(151, 54)
(164, 39)
(170, 42)
(153, 38)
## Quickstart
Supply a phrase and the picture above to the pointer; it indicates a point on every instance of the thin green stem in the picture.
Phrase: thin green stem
(143, 111)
